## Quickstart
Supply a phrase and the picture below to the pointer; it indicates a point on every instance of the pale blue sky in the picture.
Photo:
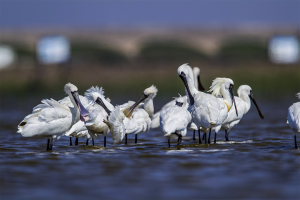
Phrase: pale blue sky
(147, 13)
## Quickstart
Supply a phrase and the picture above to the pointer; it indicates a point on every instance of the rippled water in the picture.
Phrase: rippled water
(259, 162)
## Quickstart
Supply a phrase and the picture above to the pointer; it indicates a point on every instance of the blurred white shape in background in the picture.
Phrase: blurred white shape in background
(284, 49)
(7, 56)
(53, 49)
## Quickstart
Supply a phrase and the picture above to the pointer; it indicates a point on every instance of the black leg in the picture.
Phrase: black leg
(209, 136)
(194, 137)
(226, 135)
(76, 141)
(48, 145)
(104, 141)
(215, 140)
(204, 138)
(93, 141)
(169, 143)
(199, 136)
(87, 142)
(125, 138)
(179, 139)
(71, 141)
(295, 142)
(135, 138)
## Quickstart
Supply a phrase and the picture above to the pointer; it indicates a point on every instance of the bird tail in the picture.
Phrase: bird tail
(116, 125)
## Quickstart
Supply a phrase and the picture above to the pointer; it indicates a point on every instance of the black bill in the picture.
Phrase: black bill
(129, 111)
(259, 112)
(200, 86)
(232, 98)
(183, 78)
(84, 114)
(101, 103)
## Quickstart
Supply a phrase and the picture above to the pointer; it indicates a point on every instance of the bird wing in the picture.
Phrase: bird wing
(138, 122)
(49, 119)
(116, 125)
(174, 119)
(294, 116)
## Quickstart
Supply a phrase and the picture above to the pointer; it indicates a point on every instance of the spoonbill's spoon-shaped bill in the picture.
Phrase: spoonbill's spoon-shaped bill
(84, 114)
(253, 100)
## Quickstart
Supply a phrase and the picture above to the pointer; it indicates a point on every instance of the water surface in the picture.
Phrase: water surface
(259, 162)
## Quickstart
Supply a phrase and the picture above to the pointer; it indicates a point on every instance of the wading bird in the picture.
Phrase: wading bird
(136, 117)
(155, 119)
(95, 125)
(52, 119)
(175, 120)
(293, 118)
(207, 110)
(243, 104)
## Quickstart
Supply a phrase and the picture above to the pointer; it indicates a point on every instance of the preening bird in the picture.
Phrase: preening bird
(293, 118)
(207, 110)
(136, 117)
(95, 125)
(78, 129)
(243, 104)
(155, 119)
(175, 120)
(52, 119)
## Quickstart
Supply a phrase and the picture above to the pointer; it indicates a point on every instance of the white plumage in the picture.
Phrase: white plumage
(175, 119)
(134, 116)
(155, 119)
(52, 119)
(208, 111)
(293, 118)
(243, 104)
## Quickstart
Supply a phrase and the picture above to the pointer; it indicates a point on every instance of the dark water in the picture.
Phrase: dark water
(259, 162)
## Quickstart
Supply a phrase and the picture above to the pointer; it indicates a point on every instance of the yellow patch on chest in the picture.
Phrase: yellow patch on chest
(228, 107)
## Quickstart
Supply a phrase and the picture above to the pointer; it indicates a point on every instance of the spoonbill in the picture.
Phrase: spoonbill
(243, 105)
(175, 119)
(52, 119)
(136, 117)
(207, 110)
(95, 125)
(155, 119)
(293, 118)
(78, 129)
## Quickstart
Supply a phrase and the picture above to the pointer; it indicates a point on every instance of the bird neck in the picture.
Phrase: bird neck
(227, 97)
(149, 106)
(245, 97)
(191, 84)
(75, 110)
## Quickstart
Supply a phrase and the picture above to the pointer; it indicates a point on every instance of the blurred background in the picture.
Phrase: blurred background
(126, 46)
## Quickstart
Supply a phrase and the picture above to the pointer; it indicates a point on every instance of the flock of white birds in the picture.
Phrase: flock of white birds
(91, 115)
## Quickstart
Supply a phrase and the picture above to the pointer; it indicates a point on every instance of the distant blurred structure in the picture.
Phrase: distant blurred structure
(7, 56)
(53, 49)
(284, 49)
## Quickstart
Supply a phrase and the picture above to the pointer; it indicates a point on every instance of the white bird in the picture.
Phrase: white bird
(52, 119)
(293, 118)
(175, 119)
(155, 119)
(135, 116)
(78, 129)
(208, 111)
(96, 125)
(243, 104)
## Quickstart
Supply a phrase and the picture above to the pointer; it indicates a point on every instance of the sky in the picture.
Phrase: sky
(147, 13)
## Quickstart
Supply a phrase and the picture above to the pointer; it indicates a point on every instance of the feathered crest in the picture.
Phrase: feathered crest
(152, 91)
(215, 87)
(93, 92)
(298, 95)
